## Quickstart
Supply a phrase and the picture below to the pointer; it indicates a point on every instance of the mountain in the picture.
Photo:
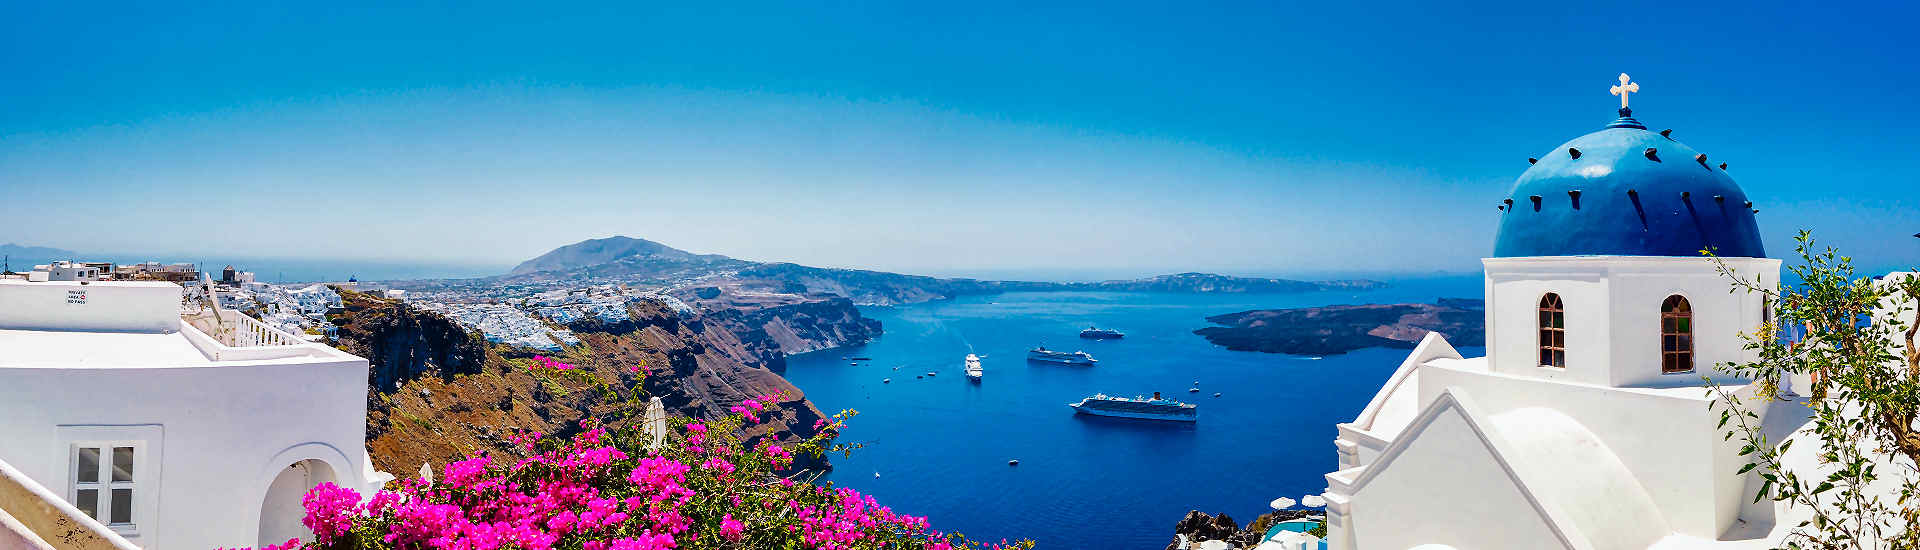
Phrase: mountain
(23, 255)
(621, 256)
(630, 259)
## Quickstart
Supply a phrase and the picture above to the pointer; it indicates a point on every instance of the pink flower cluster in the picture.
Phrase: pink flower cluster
(604, 490)
(549, 363)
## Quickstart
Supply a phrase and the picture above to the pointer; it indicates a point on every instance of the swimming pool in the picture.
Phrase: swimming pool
(1295, 525)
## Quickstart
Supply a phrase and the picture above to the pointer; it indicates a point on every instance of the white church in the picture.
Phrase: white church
(129, 420)
(1586, 425)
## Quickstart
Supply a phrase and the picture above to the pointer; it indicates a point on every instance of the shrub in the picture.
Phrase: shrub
(686, 485)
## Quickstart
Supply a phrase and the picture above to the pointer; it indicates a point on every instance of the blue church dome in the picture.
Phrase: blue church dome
(1625, 191)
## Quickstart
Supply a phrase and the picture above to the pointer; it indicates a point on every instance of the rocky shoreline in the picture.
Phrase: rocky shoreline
(1199, 526)
(1339, 329)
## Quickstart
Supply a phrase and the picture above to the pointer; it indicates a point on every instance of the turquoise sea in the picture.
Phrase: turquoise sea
(939, 446)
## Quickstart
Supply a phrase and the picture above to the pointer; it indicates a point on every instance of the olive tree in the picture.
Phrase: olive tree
(1853, 336)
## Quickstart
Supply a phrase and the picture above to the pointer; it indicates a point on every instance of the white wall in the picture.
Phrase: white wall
(127, 306)
(1613, 315)
(225, 432)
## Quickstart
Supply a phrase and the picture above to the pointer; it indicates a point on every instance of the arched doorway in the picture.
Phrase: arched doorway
(281, 511)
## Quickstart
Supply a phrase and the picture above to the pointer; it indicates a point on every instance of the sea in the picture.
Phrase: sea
(939, 445)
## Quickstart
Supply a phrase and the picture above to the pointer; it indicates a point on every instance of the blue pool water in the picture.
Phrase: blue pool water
(940, 445)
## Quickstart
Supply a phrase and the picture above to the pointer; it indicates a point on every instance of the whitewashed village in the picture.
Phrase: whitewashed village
(155, 406)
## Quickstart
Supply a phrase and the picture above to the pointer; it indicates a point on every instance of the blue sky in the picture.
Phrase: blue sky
(983, 138)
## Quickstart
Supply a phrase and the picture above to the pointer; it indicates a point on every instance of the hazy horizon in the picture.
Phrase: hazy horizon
(941, 140)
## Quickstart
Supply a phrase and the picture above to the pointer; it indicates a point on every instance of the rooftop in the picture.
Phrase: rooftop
(134, 324)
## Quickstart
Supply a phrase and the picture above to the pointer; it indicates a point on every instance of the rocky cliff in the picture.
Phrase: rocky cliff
(775, 326)
(1198, 526)
(431, 400)
(1340, 329)
(404, 343)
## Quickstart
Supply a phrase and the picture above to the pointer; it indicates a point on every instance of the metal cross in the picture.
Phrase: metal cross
(1626, 86)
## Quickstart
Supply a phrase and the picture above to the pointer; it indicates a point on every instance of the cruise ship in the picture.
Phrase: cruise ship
(973, 367)
(1097, 333)
(1154, 408)
(1043, 355)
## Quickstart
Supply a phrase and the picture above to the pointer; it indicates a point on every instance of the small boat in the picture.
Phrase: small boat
(860, 358)
(1216, 394)
(1097, 333)
(972, 364)
(890, 381)
(1043, 355)
(853, 364)
(1014, 462)
(1193, 390)
(919, 376)
(931, 373)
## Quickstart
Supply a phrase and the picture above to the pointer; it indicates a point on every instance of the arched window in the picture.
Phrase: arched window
(1553, 331)
(1676, 335)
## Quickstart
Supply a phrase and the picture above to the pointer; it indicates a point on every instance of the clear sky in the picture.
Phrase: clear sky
(931, 137)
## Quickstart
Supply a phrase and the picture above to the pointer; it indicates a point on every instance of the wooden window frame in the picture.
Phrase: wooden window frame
(1676, 335)
(1550, 323)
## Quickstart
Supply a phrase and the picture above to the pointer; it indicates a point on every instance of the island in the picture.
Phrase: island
(1331, 330)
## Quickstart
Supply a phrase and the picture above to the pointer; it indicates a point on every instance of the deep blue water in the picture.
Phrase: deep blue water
(940, 445)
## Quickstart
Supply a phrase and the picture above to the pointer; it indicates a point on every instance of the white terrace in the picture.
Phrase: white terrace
(105, 386)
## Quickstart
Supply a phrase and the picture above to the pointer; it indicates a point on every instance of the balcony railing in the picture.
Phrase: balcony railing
(236, 330)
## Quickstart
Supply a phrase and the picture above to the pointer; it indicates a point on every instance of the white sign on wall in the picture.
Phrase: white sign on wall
(76, 296)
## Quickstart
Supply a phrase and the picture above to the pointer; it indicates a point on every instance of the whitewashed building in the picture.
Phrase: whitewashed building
(129, 420)
(1586, 425)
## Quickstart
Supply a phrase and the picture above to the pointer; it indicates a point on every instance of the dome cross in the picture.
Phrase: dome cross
(1627, 86)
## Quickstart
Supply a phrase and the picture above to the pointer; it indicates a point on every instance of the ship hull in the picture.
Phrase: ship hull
(1136, 415)
(1062, 361)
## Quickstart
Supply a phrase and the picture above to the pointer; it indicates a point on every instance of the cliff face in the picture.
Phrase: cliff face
(772, 331)
(1340, 329)
(403, 343)
(699, 369)
(422, 410)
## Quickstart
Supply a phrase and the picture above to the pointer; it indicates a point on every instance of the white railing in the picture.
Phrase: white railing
(236, 330)
(50, 519)
(251, 332)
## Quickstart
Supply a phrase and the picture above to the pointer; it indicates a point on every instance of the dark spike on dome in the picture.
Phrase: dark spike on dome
(1684, 195)
(1667, 133)
(1723, 166)
(1574, 152)
(1507, 201)
(1719, 198)
(1531, 160)
(1749, 204)
(1633, 193)
(1701, 158)
(1653, 154)
(1575, 193)
(1502, 208)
